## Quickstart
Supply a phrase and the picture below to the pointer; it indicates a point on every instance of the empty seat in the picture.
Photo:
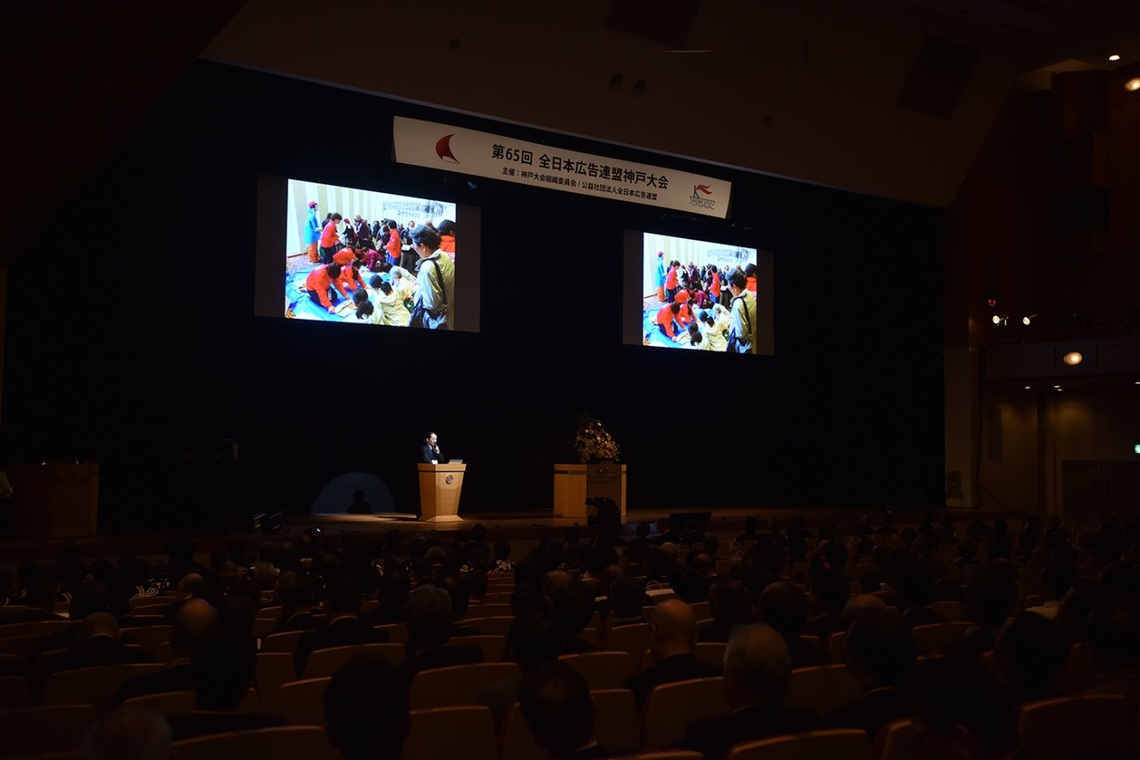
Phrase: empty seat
(602, 669)
(180, 702)
(633, 639)
(897, 741)
(302, 703)
(617, 726)
(1055, 729)
(272, 671)
(822, 687)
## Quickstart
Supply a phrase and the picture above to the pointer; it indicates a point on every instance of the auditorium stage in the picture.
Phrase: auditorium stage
(516, 526)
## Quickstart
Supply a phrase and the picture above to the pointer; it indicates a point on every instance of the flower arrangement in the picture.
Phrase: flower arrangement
(594, 442)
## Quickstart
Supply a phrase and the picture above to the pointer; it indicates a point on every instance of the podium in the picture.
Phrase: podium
(55, 499)
(574, 482)
(440, 485)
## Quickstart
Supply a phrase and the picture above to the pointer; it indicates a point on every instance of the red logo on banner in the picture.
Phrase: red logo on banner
(704, 189)
(443, 148)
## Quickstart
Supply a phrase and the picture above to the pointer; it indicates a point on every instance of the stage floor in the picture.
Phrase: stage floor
(515, 526)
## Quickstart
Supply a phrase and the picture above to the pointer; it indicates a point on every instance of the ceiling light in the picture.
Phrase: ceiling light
(1073, 358)
(1133, 84)
(1001, 319)
(1026, 320)
(1027, 388)
(1114, 57)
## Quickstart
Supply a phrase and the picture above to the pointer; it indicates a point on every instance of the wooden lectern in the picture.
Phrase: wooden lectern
(440, 485)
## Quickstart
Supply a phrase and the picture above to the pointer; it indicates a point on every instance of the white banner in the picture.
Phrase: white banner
(440, 146)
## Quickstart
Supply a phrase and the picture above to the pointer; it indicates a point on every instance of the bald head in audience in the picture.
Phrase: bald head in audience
(194, 622)
(757, 667)
(674, 629)
(860, 602)
(99, 624)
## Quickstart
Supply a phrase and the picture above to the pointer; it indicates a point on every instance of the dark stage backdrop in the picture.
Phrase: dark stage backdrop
(132, 340)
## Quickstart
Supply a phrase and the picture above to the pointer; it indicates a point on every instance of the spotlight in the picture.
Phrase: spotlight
(1001, 319)
(1073, 358)
(1132, 85)
(1114, 57)
(1027, 320)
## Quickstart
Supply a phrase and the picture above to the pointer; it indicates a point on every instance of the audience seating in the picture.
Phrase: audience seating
(701, 610)
(951, 611)
(178, 702)
(151, 601)
(498, 625)
(21, 646)
(672, 754)
(896, 741)
(457, 685)
(491, 644)
(92, 686)
(269, 613)
(263, 627)
(1080, 671)
(836, 646)
(488, 610)
(46, 728)
(308, 742)
(273, 670)
(14, 693)
(603, 669)
(1055, 729)
(634, 639)
(325, 662)
(833, 744)
(302, 703)
(935, 637)
(146, 636)
(516, 740)
(617, 725)
(591, 635)
(451, 732)
(671, 706)
(164, 653)
(497, 597)
(282, 642)
(32, 628)
(822, 687)
(397, 632)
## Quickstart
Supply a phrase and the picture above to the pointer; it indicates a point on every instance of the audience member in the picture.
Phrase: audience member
(672, 645)
(128, 733)
(959, 710)
(428, 617)
(1031, 652)
(555, 702)
(880, 653)
(296, 594)
(343, 626)
(366, 709)
(729, 606)
(194, 623)
(757, 671)
(784, 608)
(990, 598)
(827, 597)
(98, 645)
(531, 642)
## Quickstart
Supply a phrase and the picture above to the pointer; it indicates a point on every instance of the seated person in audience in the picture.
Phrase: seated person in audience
(428, 617)
(128, 733)
(222, 672)
(571, 610)
(456, 587)
(190, 586)
(366, 709)
(1114, 635)
(627, 597)
(673, 641)
(991, 596)
(1057, 577)
(880, 654)
(343, 626)
(98, 645)
(295, 593)
(827, 597)
(530, 642)
(946, 589)
(785, 608)
(238, 608)
(1031, 652)
(194, 623)
(91, 596)
(913, 582)
(729, 606)
(39, 603)
(757, 671)
(554, 699)
(873, 580)
(959, 710)
(392, 592)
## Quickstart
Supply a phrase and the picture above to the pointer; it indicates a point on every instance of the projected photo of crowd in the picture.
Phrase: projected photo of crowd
(698, 295)
(369, 258)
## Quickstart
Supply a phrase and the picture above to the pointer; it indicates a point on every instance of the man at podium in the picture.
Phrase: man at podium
(431, 454)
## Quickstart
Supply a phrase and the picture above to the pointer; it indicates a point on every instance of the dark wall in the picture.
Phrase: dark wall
(133, 343)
